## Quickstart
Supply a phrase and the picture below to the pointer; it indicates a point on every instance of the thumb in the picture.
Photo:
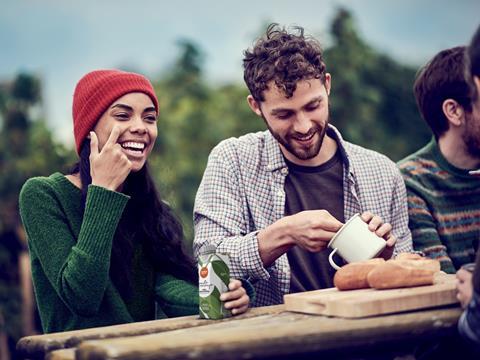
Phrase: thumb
(234, 284)
(93, 144)
(332, 224)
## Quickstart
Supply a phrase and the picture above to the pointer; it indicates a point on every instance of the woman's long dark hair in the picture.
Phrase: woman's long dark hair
(146, 219)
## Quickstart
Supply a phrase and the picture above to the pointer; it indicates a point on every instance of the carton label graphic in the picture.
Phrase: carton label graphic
(213, 279)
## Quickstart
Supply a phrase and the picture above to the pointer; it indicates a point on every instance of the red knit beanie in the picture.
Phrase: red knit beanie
(96, 91)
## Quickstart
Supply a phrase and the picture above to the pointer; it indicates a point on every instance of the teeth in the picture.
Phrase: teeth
(306, 138)
(133, 145)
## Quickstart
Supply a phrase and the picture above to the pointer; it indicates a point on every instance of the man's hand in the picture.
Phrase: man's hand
(384, 230)
(109, 167)
(464, 287)
(311, 230)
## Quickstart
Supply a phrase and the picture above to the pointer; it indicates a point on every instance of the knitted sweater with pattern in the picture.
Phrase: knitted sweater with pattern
(70, 257)
(443, 206)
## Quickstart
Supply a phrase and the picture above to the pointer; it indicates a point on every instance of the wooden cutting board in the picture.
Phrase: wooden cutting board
(369, 302)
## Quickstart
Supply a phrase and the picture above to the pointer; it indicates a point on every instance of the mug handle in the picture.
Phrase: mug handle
(330, 260)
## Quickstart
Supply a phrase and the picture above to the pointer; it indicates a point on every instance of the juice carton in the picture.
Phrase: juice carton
(213, 280)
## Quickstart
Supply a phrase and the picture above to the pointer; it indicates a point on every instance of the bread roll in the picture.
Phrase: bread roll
(408, 256)
(354, 275)
(425, 264)
(392, 274)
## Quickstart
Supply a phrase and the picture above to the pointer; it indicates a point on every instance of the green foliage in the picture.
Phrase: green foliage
(372, 102)
(194, 117)
(26, 88)
(26, 150)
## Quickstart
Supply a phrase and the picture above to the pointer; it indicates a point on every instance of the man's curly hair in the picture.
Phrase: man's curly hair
(286, 58)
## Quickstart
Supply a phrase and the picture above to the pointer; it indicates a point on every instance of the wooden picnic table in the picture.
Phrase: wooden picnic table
(260, 333)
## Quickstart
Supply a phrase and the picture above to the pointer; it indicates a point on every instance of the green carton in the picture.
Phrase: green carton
(213, 280)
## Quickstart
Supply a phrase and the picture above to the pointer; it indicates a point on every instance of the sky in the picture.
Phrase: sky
(60, 41)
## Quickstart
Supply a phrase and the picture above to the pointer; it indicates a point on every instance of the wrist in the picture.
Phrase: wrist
(279, 233)
(274, 241)
(101, 184)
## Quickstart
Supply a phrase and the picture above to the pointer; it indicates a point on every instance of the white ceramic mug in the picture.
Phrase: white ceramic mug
(355, 242)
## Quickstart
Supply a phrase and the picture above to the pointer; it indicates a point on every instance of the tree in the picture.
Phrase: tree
(27, 149)
(372, 99)
(194, 117)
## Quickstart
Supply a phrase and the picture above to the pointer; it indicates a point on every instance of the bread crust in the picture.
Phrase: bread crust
(406, 270)
(425, 264)
(408, 256)
(393, 274)
(354, 275)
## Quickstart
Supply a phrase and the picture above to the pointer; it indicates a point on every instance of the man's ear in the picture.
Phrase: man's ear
(254, 105)
(476, 81)
(328, 83)
(454, 112)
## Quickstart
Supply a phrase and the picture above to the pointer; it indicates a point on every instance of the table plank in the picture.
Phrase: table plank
(36, 347)
(280, 334)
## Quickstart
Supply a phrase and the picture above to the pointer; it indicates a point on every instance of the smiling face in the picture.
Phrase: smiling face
(136, 115)
(298, 123)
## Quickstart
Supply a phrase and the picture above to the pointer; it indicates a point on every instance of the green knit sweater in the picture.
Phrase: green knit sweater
(444, 207)
(70, 256)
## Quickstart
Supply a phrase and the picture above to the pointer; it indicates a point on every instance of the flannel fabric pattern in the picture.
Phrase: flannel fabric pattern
(242, 192)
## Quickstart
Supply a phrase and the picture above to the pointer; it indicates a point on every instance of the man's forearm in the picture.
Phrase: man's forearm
(274, 241)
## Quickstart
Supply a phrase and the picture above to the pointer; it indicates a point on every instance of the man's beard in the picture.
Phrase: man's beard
(301, 152)
(471, 136)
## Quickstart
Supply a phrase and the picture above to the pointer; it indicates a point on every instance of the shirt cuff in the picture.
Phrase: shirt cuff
(250, 259)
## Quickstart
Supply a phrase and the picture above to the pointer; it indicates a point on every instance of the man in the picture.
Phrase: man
(443, 197)
(468, 292)
(273, 200)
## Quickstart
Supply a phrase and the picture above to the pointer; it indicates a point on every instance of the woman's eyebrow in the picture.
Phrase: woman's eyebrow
(149, 109)
(122, 106)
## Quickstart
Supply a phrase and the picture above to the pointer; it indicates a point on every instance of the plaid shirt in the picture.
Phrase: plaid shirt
(242, 192)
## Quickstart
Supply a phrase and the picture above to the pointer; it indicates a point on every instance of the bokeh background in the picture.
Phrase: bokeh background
(192, 52)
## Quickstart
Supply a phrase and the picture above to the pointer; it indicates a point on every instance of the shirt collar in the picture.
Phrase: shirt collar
(273, 155)
(333, 132)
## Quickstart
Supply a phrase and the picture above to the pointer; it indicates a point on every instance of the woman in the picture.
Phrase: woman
(103, 245)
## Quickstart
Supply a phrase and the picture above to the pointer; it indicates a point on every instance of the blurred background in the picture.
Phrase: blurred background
(192, 52)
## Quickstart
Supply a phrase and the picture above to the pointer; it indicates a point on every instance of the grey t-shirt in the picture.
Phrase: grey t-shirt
(312, 188)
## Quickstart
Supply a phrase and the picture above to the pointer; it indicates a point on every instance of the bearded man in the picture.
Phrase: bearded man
(442, 186)
(273, 200)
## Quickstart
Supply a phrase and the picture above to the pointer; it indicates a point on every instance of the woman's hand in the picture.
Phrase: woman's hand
(236, 299)
(109, 167)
